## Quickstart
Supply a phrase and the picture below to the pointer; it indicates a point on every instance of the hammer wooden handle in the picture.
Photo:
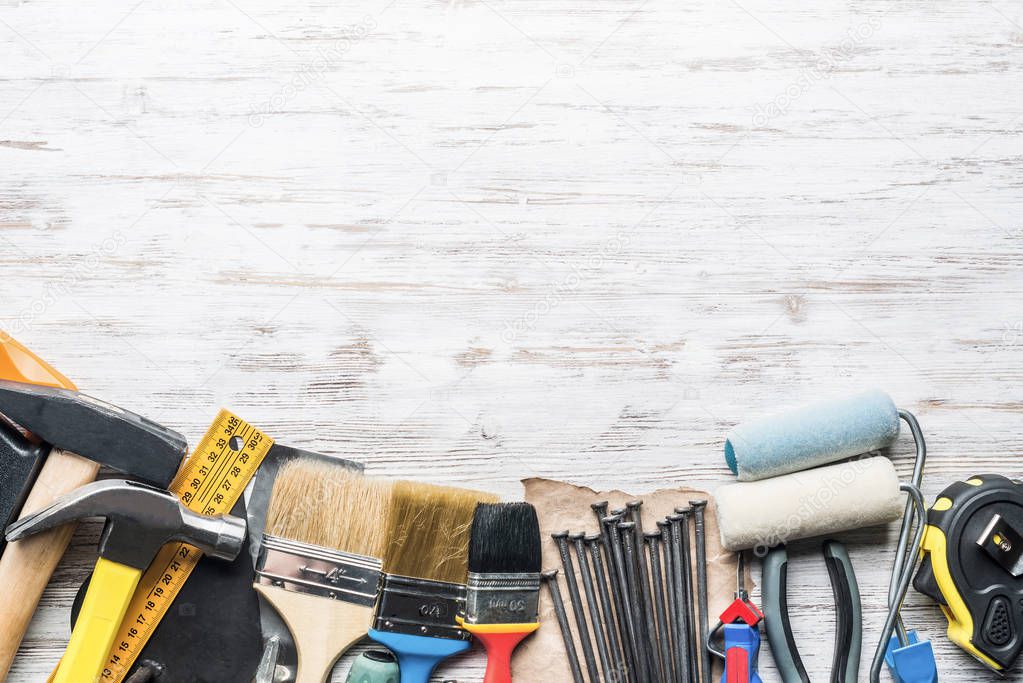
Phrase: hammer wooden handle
(26, 565)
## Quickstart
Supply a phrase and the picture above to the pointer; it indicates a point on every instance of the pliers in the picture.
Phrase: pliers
(848, 617)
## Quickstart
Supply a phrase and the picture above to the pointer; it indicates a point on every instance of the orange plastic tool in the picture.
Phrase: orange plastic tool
(18, 364)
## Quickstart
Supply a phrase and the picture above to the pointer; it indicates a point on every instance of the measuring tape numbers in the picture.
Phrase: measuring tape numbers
(210, 483)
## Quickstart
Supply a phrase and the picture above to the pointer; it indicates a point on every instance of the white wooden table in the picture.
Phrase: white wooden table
(489, 239)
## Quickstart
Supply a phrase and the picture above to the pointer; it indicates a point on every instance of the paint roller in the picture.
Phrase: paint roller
(792, 485)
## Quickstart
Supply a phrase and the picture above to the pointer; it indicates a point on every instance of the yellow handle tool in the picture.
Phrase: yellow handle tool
(209, 483)
(140, 520)
(105, 605)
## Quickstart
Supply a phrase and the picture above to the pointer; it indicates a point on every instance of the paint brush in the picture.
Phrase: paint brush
(503, 601)
(320, 563)
(425, 570)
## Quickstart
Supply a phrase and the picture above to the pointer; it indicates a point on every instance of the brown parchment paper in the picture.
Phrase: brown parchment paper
(541, 658)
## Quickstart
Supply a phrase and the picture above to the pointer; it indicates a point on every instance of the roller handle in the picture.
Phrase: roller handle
(500, 641)
(374, 666)
(106, 602)
(26, 566)
(418, 656)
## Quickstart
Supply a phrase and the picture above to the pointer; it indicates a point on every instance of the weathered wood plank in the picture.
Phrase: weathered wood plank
(479, 241)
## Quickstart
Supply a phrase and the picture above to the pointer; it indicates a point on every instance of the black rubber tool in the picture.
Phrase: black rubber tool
(848, 617)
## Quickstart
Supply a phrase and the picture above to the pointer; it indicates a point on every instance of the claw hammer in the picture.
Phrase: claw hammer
(140, 520)
(36, 470)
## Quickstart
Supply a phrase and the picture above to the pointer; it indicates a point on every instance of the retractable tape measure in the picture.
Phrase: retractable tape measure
(973, 566)
(210, 483)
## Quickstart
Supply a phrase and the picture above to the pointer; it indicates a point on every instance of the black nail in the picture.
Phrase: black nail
(550, 577)
(596, 622)
(561, 538)
(701, 585)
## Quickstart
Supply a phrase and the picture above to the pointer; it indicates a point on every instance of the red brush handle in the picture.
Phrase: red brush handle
(499, 647)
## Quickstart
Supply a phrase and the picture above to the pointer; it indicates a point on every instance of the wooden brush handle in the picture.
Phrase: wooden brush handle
(323, 629)
(27, 565)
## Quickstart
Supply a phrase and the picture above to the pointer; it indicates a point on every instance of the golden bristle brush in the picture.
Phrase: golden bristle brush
(426, 565)
(321, 558)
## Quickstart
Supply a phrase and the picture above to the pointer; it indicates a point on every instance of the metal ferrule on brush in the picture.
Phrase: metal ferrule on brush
(502, 599)
(303, 568)
(420, 607)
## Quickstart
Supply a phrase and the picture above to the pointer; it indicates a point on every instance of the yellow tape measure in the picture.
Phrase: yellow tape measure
(210, 483)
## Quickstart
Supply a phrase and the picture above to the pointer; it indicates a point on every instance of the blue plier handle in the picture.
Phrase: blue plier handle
(742, 650)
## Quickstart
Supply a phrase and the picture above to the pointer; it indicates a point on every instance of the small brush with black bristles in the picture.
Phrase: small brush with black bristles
(503, 599)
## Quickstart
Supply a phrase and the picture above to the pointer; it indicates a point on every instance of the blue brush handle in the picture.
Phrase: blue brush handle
(418, 656)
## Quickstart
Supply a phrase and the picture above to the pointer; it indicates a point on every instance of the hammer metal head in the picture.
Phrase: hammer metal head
(140, 520)
(112, 436)
(72, 421)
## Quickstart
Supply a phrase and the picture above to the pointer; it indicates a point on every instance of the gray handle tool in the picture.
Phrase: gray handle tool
(70, 420)
(848, 617)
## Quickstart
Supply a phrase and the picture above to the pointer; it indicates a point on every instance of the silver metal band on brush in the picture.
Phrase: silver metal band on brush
(502, 598)
(315, 570)
(421, 608)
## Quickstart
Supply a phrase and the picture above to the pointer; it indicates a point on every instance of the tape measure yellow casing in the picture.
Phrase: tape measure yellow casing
(972, 566)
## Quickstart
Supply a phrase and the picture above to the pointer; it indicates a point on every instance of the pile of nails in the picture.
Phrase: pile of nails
(639, 603)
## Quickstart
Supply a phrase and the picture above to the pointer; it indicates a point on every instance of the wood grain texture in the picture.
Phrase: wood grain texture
(29, 564)
(322, 629)
(485, 240)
